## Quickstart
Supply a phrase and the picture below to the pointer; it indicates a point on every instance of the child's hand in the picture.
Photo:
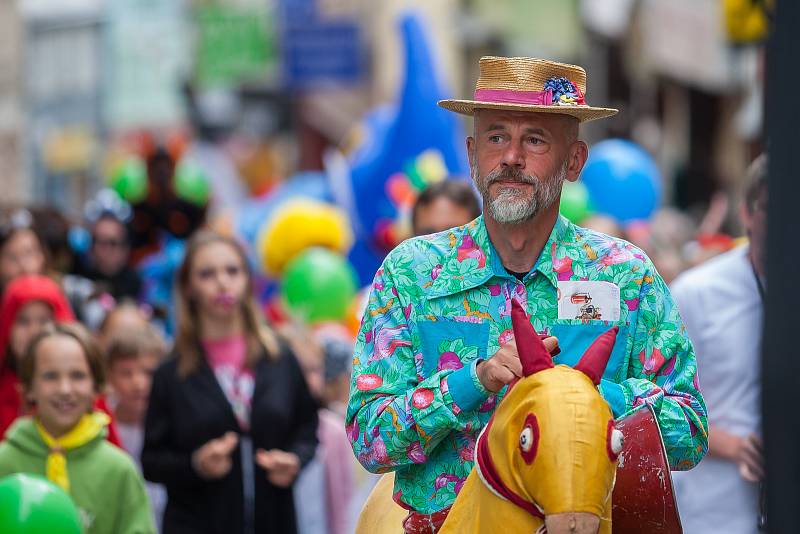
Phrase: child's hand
(213, 460)
(282, 467)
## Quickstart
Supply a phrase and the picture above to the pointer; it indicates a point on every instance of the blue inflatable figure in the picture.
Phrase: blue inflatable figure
(415, 143)
(158, 276)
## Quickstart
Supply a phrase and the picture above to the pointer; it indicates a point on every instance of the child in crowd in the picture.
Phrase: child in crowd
(132, 357)
(30, 304)
(21, 251)
(61, 375)
(124, 317)
(230, 421)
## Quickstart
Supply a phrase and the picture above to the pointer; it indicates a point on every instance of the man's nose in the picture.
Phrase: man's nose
(513, 156)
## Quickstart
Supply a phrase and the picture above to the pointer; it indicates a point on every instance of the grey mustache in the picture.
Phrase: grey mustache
(516, 176)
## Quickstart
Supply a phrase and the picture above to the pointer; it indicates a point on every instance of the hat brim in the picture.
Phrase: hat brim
(582, 113)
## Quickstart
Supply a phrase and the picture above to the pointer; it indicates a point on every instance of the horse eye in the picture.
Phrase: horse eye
(529, 438)
(526, 439)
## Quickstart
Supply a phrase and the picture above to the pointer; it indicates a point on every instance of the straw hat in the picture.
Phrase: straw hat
(530, 84)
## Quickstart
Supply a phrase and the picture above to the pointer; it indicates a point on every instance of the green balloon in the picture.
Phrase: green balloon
(31, 504)
(319, 285)
(575, 204)
(191, 184)
(130, 180)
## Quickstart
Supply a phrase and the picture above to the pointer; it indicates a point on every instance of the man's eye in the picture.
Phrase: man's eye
(535, 141)
(495, 138)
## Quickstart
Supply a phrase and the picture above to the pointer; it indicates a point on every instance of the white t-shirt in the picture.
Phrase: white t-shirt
(720, 304)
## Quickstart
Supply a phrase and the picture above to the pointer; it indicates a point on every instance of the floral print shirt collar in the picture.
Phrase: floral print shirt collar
(475, 243)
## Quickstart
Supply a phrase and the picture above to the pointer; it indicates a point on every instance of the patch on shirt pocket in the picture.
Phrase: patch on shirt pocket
(574, 337)
(451, 344)
(588, 300)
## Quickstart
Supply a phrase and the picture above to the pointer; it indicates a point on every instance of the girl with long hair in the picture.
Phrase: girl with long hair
(230, 421)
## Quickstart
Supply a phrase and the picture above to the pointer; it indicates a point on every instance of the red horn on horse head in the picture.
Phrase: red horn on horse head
(532, 352)
(594, 360)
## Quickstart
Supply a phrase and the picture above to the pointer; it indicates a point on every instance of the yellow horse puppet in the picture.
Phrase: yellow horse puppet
(547, 459)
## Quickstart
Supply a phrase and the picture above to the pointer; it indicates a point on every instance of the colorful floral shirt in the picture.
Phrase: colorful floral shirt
(441, 303)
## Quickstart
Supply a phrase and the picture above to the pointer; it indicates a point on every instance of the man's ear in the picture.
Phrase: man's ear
(577, 156)
(471, 150)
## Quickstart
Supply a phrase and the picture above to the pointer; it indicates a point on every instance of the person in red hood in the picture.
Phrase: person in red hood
(30, 303)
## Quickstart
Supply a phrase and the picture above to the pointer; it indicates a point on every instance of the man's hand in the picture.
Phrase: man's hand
(213, 460)
(504, 366)
(750, 458)
(282, 467)
(746, 452)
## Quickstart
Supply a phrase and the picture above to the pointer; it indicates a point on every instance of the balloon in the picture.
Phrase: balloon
(34, 505)
(191, 184)
(253, 212)
(130, 180)
(623, 180)
(298, 225)
(79, 238)
(575, 202)
(318, 286)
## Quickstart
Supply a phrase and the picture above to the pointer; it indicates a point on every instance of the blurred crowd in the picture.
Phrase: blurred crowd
(57, 301)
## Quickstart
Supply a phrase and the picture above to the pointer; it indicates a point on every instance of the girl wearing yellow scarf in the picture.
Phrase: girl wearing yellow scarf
(61, 374)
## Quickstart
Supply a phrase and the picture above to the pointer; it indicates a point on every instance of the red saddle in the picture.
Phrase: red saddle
(643, 497)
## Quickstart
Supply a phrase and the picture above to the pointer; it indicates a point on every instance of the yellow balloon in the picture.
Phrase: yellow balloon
(298, 225)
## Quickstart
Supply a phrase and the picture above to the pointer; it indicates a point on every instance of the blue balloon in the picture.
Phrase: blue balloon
(623, 180)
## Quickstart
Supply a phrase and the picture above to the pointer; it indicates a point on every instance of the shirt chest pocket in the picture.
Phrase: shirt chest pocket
(451, 344)
(574, 337)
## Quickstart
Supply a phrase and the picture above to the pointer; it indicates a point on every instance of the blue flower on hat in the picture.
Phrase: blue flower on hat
(564, 91)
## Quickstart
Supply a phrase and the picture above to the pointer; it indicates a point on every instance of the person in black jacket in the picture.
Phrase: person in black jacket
(230, 421)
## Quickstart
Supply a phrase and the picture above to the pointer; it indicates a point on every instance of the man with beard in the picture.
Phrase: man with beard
(436, 350)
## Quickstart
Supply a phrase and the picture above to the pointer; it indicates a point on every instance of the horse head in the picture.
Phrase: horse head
(551, 447)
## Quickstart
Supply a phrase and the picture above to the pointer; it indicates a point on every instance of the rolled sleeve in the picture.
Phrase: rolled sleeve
(466, 389)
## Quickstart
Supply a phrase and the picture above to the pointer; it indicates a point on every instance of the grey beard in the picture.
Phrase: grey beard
(512, 206)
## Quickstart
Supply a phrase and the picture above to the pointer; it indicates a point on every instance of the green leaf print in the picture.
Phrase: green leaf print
(479, 300)
(469, 354)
